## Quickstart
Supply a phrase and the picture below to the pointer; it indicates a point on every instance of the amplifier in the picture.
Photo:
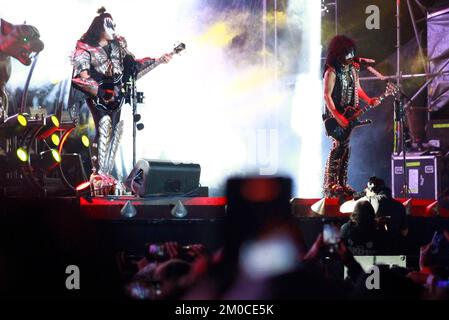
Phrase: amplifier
(427, 176)
(157, 177)
(438, 131)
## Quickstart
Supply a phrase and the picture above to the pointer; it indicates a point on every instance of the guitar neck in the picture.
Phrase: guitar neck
(157, 62)
(383, 96)
(368, 107)
(365, 109)
(147, 69)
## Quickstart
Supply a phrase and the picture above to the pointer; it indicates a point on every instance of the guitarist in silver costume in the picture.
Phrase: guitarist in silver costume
(341, 90)
(101, 64)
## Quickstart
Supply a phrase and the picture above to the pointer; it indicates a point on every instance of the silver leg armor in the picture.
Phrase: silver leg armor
(3, 104)
(115, 142)
(107, 146)
(104, 139)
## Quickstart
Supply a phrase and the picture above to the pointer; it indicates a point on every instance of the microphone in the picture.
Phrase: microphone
(364, 60)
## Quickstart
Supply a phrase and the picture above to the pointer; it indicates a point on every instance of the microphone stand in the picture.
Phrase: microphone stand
(131, 98)
(399, 112)
(134, 108)
(399, 118)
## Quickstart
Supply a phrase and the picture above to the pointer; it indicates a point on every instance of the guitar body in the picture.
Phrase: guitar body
(115, 86)
(334, 130)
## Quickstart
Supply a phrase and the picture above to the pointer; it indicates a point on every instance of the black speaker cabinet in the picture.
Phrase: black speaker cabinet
(157, 177)
(428, 176)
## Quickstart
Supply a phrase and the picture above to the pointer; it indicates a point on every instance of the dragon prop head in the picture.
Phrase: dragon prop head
(20, 41)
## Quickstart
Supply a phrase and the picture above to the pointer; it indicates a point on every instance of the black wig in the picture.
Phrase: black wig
(93, 34)
(339, 47)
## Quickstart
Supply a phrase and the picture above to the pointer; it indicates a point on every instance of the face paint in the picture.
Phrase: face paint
(109, 29)
(350, 55)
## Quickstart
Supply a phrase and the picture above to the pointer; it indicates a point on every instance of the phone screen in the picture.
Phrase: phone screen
(437, 237)
(268, 257)
(331, 234)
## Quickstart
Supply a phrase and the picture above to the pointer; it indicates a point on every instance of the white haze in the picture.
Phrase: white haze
(210, 105)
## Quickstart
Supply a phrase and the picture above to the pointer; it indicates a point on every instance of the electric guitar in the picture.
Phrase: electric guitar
(352, 114)
(117, 90)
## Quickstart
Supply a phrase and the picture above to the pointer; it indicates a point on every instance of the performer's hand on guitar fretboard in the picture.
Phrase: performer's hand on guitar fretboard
(374, 102)
(165, 58)
(390, 90)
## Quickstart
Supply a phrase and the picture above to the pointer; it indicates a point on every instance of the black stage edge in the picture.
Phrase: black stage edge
(40, 237)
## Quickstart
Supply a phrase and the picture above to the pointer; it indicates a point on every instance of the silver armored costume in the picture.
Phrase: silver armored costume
(106, 72)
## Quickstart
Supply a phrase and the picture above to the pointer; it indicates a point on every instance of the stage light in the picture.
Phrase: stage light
(56, 156)
(55, 139)
(408, 206)
(51, 124)
(433, 209)
(306, 121)
(76, 144)
(327, 207)
(83, 186)
(22, 155)
(54, 120)
(85, 141)
(319, 206)
(22, 120)
(49, 159)
(128, 210)
(179, 210)
(13, 125)
(14, 160)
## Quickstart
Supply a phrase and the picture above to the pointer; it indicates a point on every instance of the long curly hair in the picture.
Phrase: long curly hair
(363, 215)
(339, 47)
(93, 34)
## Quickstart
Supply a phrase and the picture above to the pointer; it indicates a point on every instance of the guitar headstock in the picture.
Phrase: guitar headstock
(391, 89)
(180, 47)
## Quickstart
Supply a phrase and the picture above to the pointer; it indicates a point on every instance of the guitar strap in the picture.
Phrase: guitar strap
(355, 77)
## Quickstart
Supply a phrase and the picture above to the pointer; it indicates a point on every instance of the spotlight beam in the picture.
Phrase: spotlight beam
(306, 116)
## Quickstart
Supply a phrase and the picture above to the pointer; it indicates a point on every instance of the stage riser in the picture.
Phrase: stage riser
(25, 220)
(154, 213)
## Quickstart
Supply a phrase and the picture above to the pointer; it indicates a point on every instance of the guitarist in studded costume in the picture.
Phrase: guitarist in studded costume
(102, 64)
(341, 90)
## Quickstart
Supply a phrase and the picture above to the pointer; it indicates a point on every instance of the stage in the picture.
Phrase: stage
(40, 237)
(155, 220)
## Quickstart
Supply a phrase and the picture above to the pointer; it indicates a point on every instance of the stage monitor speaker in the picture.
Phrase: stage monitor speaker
(157, 177)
